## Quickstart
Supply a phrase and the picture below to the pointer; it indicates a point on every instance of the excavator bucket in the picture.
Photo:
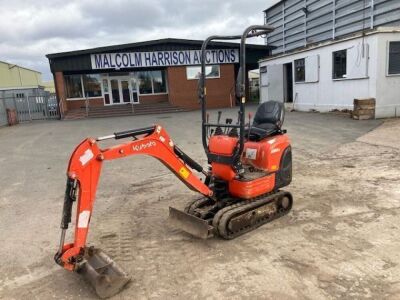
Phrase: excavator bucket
(189, 223)
(106, 277)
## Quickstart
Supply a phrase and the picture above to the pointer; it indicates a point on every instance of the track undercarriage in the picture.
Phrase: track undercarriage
(231, 217)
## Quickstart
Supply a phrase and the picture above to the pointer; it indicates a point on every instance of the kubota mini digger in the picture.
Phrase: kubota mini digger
(248, 164)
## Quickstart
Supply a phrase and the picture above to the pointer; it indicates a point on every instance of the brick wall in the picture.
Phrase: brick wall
(148, 99)
(77, 104)
(183, 92)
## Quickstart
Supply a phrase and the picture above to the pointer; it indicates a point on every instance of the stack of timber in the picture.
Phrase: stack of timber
(364, 109)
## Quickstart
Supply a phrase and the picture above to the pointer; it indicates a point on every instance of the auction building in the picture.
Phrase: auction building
(151, 76)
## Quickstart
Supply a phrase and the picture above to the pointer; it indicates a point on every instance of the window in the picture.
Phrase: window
(394, 58)
(299, 70)
(92, 85)
(339, 64)
(73, 86)
(159, 82)
(20, 95)
(145, 82)
(152, 82)
(195, 71)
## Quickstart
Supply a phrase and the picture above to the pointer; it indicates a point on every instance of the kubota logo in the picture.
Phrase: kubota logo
(144, 146)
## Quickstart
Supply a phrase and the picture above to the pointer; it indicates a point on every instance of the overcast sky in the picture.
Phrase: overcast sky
(30, 29)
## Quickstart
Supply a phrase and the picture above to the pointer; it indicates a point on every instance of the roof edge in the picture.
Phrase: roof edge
(325, 43)
(150, 43)
(15, 65)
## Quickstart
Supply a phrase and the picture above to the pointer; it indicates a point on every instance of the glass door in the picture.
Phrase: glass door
(116, 99)
(135, 93)
(106, 92)
(120, 90)
(125, 91)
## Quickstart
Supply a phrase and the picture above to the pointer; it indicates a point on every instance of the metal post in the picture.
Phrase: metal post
(305, 24)
(372, 13)
(16, 110)
(283, 27)
(334, 20)
(87, 106)
(46, 102)
(29, 107)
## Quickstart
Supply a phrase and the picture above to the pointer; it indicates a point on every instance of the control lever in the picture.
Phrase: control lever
(218, 130)
(228, 121)
(212, 131)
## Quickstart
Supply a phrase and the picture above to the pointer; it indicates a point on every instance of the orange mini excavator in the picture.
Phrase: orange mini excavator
(248, 164)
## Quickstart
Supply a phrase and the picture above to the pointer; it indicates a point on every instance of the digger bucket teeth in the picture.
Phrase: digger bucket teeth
(106, 277)
(190, 224)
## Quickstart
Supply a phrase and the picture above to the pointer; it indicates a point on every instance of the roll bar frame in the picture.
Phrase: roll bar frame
(251, 31)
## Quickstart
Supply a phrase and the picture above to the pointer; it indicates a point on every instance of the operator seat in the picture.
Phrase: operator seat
(268, 120)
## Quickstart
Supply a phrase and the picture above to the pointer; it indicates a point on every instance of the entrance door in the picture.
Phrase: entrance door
(288, 82)
(125, 91)
(134, 87)
(115, 92)
(275, 82)
(120, 90)
(106, 92)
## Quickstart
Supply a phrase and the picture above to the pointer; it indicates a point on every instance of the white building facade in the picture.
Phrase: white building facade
(331, 74)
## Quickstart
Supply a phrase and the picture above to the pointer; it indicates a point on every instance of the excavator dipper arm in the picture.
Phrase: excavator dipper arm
(84, 172)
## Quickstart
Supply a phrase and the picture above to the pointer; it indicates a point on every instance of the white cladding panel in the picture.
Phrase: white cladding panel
(357, 61)
(312, 68)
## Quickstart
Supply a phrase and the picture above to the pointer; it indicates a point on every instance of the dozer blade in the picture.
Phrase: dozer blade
(189, 223)
(103, 273)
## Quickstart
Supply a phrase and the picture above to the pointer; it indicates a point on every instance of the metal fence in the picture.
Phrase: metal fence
(30, 108)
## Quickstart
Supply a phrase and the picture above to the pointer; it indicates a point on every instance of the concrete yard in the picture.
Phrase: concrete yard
(341, 239)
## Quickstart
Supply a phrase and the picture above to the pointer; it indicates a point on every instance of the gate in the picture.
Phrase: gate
(3, 114)
(30, 108)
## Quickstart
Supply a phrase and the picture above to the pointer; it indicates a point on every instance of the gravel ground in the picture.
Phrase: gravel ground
(339, 241)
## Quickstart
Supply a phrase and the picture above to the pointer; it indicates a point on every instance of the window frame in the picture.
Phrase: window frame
(105, 76)
(152, 83)
(333, 65)
(207, 77)
(65, 88)
(83, 87)
(101, 86)
(295, 73)
(388, 59)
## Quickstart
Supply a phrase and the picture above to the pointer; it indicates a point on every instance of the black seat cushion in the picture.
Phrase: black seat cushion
(267, 121)
(257, 133)
(270, 112)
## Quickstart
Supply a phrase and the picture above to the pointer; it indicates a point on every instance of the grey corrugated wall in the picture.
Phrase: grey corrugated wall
(302, 22)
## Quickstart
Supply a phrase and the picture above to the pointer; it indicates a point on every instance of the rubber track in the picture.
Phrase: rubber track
(195, 204)
(222, 218)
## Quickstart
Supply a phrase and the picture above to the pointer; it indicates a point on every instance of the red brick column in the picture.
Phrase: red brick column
(60, 90)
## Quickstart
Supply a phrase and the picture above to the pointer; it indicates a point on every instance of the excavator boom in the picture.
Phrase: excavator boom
(83, 176)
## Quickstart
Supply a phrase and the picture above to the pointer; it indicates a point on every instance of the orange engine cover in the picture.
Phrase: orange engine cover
(266, 154)
(222, 145)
